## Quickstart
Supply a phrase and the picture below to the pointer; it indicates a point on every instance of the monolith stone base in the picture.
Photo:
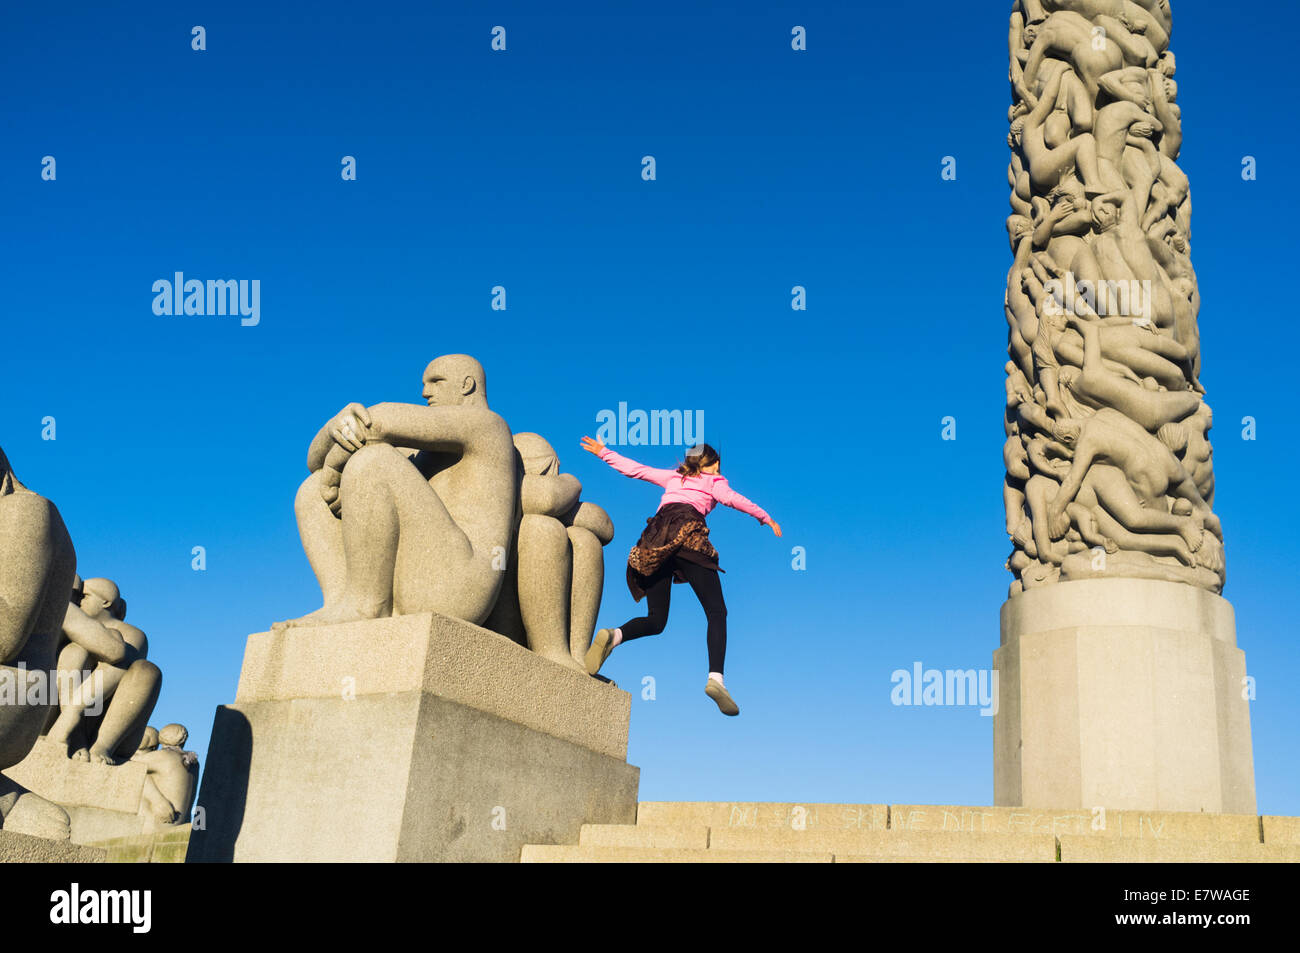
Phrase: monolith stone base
(418, 738)
(1122, 693)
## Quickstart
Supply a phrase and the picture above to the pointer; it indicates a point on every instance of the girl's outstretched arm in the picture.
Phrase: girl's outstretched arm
(724, 494)
(627, 466)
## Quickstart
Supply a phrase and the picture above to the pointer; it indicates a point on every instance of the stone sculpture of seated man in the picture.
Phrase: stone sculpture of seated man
(408, 507)
(96, 674)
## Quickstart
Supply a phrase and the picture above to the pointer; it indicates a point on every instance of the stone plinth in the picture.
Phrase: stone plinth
(418, 738)
(1124, 694)
(102, 800)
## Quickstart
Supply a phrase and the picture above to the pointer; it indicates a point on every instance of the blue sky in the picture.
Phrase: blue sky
(522, 169)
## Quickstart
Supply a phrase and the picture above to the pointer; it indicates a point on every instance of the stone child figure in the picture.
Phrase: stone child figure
(172, 780)
(408, 506)
(118, 677)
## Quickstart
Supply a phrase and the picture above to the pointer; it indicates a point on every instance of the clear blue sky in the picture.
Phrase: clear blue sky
(522, 169)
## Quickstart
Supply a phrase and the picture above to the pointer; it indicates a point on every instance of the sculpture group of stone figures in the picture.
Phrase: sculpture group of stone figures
(1109, 465)
(408, 508)
(438, 507)
(73, 673)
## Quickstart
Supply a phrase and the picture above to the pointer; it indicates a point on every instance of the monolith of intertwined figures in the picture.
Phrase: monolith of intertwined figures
(1121, 684)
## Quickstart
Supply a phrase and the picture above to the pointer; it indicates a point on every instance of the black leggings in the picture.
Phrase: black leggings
(658, 592)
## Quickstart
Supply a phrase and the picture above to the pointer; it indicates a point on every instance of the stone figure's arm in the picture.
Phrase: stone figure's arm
(1084, 455)
(1171, 143)
(348, 429)
(1162, 253)
(593, 518)
(335, 459)
(724, 494)
(1136, 48)
(637, 471)
(136, 642)
(425, 428)
(1016, 45)
(99, 640)
(1119, 84)
(1123, 199)
(320, 447)
(1022, 308)
(1058, 213)
(553, 495)
(1048, 101)
(152, 760)
(1037, 453)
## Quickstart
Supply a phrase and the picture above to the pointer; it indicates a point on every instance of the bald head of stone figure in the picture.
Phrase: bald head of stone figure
(537, 453)
(455, 380)
(173, 736)
(99, 597)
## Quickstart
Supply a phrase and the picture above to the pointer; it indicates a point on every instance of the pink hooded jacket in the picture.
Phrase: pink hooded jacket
(703, 491)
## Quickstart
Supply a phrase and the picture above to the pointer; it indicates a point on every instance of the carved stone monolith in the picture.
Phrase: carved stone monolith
(1121, 683)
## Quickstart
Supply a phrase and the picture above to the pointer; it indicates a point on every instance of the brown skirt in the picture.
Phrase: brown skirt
(677, 531)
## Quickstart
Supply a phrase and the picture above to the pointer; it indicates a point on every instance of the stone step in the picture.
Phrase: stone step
(956, 819)
(551, 854)
(1105, 850)
(685, 837)
(1244, 828)
(776, 832)
(762, 815)
(1280, 830)
(919, 846)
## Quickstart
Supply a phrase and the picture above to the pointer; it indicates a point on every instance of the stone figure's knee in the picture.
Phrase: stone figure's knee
(145, 671)
(74, 658)
(371, 461)
(543, 533)
(371, 455)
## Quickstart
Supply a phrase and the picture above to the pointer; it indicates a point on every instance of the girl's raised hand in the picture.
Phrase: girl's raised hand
(776, 527)
(592, 446)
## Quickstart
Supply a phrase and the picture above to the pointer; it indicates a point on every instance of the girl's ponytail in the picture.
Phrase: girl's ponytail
(697, 458)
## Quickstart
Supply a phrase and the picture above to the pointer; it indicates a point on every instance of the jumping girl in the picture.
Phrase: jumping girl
(675, 547)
